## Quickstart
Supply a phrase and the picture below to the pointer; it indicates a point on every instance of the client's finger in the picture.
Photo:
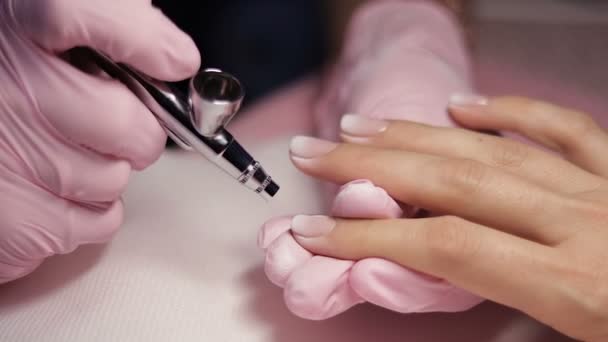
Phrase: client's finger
(509, 155)
(460, 187)
(495, 265)
(575, 134)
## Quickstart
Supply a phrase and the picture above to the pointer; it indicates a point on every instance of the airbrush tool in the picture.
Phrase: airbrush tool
(196, 121)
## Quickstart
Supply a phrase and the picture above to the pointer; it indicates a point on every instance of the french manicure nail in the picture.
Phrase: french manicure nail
(468, 100)
(307, 147)
(366, 182)
(312, 226)
(361, 126)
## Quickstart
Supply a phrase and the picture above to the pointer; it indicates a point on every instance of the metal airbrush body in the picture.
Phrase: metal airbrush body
(197, 121)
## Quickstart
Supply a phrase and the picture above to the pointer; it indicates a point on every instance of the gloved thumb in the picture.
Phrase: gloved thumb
(132, 32)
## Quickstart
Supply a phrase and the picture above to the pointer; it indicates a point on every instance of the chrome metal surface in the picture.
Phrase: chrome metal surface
(215, 97)
(197, 122)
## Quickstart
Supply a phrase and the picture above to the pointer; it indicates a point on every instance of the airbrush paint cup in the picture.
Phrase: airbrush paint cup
(197, 121)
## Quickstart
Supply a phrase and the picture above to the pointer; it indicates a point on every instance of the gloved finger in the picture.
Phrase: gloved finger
(272, 229)
(322, 295)
(10, 272)
(572, 133)
(58, 226)
(319, 289)
(133, 32)
(283, 256)
(100, 114)
(327, 294)
(28, 242)
(83, 224)
(361, 199)
(79, 175)
(394, 287)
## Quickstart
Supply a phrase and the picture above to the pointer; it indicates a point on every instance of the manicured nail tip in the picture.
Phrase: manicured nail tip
(308, 147)
(468, 100)
(312, 226)
(358, 125)
(357, 182)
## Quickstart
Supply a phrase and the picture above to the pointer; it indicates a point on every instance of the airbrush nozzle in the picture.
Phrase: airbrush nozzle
(252, 174)
(197, 122)
(215, 97)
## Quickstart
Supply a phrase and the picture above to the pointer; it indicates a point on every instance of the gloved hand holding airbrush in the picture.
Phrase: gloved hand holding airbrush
(69, 140)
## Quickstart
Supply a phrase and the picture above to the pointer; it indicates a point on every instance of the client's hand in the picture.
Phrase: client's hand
(401, 60)
(519, 225)
(318, 287)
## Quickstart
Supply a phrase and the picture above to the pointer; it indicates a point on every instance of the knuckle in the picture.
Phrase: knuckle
(573, 126)
(23, 239)
(119, 176)
(115, 220)
(67, 185)
(126, 117)
(152, 148)
(540, 114)
(596, 211)
(450, 239)
(583, 291)
(600, 296)
(92, 225)
(464, 175)
(568, 125)
(132, 133)
(594, 296)
(510, 154)
(108, 184)
(54, 178)
(516, 104)
(10, 272)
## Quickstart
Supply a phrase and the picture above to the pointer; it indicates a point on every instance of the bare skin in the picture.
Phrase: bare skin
(518, 225)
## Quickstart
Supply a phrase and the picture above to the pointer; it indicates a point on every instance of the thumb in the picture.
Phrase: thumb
(132, 32)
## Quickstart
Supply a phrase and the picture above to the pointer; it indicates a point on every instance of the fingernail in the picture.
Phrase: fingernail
(361, 126)
(312, 226)
(307, 147)
(366, 182)
(458, 100)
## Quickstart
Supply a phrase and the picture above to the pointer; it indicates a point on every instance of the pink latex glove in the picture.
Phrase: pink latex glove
(402, 61)
(69, 140)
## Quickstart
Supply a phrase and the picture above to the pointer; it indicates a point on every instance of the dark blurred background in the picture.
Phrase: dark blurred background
(265, 43)
(269, 43)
